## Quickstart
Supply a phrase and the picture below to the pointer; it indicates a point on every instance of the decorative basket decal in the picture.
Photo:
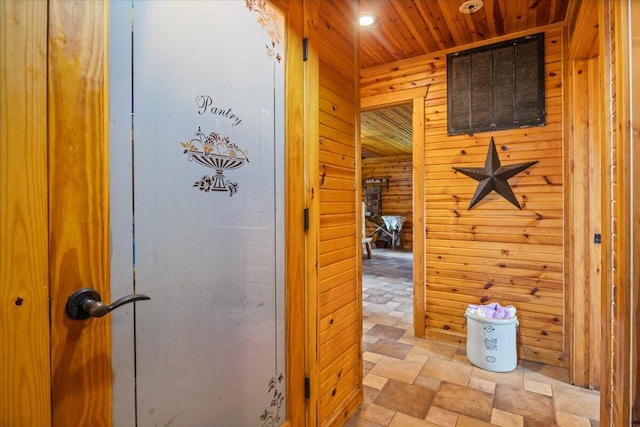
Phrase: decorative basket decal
(216, 152)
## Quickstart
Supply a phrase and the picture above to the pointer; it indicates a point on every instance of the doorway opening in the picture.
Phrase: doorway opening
(387, 276)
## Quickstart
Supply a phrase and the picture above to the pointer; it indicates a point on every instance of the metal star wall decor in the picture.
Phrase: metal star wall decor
(494, 176)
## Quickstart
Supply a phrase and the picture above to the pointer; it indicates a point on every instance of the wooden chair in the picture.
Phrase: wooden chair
(366, 241)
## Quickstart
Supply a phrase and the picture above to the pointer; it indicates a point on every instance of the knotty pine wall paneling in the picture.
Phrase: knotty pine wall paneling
(337, 374)
(493, 252)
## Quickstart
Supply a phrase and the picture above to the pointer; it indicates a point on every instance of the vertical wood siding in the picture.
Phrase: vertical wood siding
(620, 283)
(584, 167)
(583, 217)
(493, 252)
(397, 199)
(25, 395)
(584, 170)
(339, 319)
(635, 207)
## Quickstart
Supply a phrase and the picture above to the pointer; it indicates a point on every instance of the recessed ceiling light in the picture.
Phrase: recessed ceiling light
(471, 6)
(367, 19)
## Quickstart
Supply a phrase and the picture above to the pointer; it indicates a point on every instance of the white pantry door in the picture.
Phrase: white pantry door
(197, 207)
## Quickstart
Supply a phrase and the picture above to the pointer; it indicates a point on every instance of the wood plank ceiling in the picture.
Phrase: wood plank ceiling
(408, 28)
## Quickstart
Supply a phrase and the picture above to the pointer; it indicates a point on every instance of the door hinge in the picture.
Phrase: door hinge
(307, 388)
(306, 219)
(305, 49)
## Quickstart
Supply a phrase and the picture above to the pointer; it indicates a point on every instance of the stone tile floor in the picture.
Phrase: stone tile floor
(416, 382)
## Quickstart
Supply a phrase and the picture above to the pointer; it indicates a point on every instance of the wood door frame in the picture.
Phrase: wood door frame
(620, 35)
(620, 208)
(416, 97)
(583, 174)
(634, 320)
(79, 244)
(635, 214)
(295, 243)
(311, 206)
(24, 264)
(56, 99)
